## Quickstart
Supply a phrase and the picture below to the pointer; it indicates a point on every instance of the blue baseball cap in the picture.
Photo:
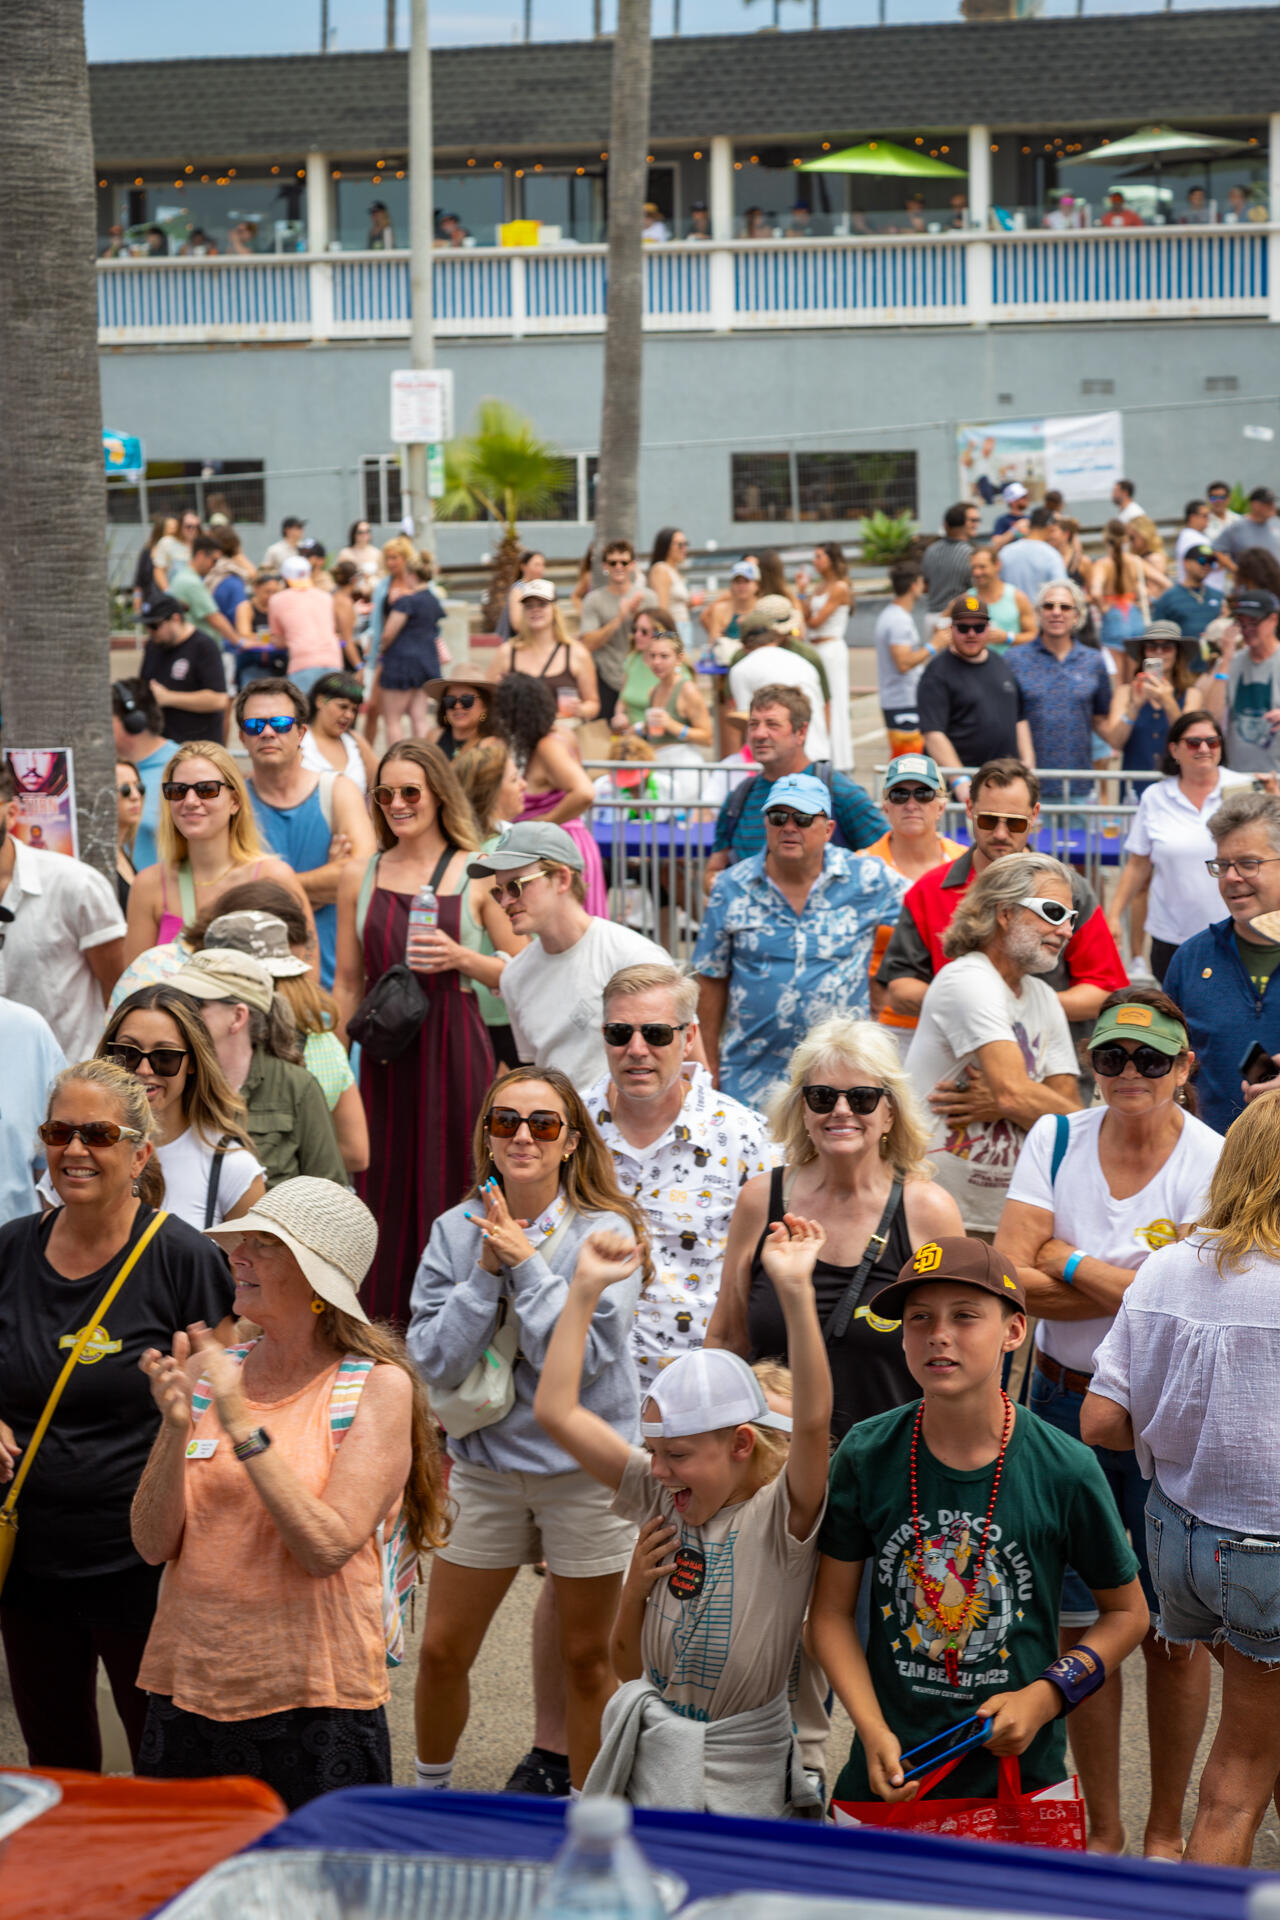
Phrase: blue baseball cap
(914, 766)
(803, 791)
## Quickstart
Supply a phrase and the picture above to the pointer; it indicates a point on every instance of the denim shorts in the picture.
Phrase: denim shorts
(1061, 1408)
(1213, 1584)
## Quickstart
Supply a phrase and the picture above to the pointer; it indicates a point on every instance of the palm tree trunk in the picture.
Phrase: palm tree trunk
(624, 337)
(53, 503)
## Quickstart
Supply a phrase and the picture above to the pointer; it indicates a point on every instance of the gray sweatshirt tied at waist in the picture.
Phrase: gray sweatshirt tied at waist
(453, 1317)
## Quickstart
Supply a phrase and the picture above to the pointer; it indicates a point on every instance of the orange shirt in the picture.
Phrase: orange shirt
(240, 1629)
(880, 850)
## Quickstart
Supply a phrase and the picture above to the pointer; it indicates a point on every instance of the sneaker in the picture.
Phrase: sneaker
(1140, 974)
(542, 1773)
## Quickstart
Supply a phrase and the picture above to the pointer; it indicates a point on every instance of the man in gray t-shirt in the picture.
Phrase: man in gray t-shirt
(901, 657)
(945, 565)
(1257, 528)
(1244, 692)
(607, 614)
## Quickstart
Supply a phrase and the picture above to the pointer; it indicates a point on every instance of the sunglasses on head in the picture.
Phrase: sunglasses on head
(1110, 1060)
(202, 789)
(94, 1133)
(278, 723)
(164, 1061)
(504, 1123)
(1051, 911)
(129, 788)
(464, 700)
(410, 795)
(899, 796)
(988, 822)
(787, 816)
(654, 1033)
(862, 1100)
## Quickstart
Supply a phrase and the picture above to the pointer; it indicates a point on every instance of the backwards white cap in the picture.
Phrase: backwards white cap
(705, 1390)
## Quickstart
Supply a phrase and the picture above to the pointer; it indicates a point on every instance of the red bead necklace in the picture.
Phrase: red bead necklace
(962, 1617)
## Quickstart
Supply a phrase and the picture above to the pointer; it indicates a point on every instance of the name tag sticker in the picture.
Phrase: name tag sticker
(202, 1449)
(690, 1573)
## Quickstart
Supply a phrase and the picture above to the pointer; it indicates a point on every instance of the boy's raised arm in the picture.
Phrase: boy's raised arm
(789, 1255)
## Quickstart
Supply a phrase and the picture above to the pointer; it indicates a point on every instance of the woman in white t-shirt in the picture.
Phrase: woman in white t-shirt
(1092, 1194)
(210, 1173)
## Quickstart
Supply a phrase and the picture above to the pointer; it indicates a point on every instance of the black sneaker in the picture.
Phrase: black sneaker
(541, 1772)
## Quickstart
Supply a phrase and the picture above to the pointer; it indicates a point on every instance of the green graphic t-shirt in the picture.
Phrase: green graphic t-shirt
(1258, 961)
(1054, 1508)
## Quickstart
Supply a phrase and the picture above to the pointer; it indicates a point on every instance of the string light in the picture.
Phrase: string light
(581, 170)
(826, 146)
(994, 148)
(537, 166)
(519, 173)
(755, 159)
(919, 140)
(737, 166)
(400, 175)
(337, 173)
(946, 149)
(102, 183)
(302, 173)
(274, 169)
(138, 181)
(648, 159)
(497, 163)
(697, 153)
(231, 173)
(471, 163)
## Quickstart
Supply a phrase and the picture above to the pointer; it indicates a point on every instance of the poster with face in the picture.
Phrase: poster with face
(44, 783)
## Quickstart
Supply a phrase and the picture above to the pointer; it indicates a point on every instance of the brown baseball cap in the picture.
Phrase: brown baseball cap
(969, 1263)
(967, 606)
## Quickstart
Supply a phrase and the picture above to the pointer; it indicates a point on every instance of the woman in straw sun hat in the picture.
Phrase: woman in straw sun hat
(291, 1487)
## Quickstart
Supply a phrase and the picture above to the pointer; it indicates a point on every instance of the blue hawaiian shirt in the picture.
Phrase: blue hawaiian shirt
(788, 970)
(1062, 699)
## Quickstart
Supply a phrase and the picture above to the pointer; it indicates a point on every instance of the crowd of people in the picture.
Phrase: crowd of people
(827, 1318)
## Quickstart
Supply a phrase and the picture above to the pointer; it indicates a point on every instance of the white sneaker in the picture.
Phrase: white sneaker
(1140, 973)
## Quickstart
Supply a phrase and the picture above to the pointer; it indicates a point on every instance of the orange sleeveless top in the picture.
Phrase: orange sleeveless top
(240, 1628)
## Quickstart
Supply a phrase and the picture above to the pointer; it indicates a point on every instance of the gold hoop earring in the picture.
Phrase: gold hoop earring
(318, 1305)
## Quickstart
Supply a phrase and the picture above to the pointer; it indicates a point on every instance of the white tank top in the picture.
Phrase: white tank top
(314, 760)
(833, 624)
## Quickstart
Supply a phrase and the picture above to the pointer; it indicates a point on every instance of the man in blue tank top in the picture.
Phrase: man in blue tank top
(315, 822)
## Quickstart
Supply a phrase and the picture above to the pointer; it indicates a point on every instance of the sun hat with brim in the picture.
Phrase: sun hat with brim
(1160, 633)
(263, 935)
(527, 841)
(967, 1263)
(223, 973)
(328, 1229)
(705, 1390)
(473, 679)
(1138, 1022)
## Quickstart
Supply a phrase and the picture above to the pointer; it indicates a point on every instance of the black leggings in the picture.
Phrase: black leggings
(301, 1752)
(55, 1632)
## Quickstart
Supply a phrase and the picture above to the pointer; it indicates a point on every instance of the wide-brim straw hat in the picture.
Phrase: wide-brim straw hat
(328, 1229)
(474, 679)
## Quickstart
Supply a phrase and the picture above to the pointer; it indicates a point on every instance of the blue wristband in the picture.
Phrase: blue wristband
(1076, 1674)
(1069, 1271)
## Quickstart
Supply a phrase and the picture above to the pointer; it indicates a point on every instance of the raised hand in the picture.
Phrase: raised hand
(604, 1259)
(170, 1387)
(790, 1252)
(505, 1242)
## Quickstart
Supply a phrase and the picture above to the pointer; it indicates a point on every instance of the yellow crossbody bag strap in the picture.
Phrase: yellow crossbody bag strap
(73, 1358)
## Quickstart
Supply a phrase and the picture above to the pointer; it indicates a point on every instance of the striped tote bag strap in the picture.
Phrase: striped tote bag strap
(345, 1397)
(203, 1395)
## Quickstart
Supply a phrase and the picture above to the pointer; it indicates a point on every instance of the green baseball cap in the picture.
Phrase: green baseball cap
(1132, 1020)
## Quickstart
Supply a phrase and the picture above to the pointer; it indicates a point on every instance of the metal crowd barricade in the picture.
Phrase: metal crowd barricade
(655, 838)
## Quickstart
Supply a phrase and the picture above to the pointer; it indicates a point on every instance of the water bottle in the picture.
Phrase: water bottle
(424, 916)
(600, 1872)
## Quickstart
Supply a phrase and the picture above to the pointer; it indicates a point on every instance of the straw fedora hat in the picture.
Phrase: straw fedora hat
(328, 1229)
(473, 679)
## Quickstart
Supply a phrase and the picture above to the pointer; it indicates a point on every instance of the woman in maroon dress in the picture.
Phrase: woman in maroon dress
(422, 1107)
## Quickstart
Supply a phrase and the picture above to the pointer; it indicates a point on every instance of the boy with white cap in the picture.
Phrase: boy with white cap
(708, 1726)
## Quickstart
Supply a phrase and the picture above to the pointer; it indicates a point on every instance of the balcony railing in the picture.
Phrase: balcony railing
(905, 280)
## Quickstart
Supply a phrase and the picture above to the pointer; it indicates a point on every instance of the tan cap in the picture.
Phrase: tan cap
(223, 973)
(328, 1229)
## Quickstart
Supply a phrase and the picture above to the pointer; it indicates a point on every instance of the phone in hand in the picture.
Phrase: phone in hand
(1258, 1066)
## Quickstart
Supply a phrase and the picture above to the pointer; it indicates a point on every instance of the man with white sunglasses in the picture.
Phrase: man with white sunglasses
(993, 1050)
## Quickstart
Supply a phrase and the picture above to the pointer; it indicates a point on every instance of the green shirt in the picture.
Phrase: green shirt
(188, 587)
(1258, 961)
(289, 1124)
(1053, 1508)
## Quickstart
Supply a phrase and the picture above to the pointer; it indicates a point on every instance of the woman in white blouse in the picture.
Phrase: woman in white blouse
(1187, 1376)
(1164, 875)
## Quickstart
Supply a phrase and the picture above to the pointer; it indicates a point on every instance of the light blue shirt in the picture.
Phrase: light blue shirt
(788, 970)
(31, 1059)
(150, 772)
(1029, 565)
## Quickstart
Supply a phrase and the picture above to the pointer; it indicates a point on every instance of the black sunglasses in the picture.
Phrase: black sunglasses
(654, 1033)
(862, 1100)
(164, 1061)
(504, 1123)
(784, 816)
(899, 796)
(464, 700)
(128, 788)
(202, 789)
(1111, 1058)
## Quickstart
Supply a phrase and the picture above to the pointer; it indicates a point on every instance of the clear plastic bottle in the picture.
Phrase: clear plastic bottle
(424, 916)
(600, 1872)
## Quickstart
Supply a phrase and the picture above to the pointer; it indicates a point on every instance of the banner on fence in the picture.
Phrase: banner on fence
(1082, 455)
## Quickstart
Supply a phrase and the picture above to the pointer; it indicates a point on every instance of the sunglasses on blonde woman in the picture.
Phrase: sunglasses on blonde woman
(504, 1123)
(386, 795)
(94, 1133)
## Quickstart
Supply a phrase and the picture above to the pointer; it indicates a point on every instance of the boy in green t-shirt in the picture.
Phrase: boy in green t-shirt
(964, 1513)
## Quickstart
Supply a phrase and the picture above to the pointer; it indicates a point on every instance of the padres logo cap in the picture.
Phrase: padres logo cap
(970, 1263)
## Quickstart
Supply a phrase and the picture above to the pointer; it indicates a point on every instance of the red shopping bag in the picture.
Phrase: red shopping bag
(1054, 1817)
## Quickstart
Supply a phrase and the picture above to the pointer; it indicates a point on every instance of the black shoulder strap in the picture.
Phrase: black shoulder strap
(842, 1313)
(777, 1201)
(215, 1179)
(441, 864)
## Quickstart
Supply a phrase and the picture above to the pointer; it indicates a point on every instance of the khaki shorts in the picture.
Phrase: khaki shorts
(517, 1519)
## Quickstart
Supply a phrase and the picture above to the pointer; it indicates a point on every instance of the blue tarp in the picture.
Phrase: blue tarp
(718, 1856)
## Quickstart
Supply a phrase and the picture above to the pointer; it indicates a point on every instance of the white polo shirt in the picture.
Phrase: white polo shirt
(62, 909)
(1168, 831)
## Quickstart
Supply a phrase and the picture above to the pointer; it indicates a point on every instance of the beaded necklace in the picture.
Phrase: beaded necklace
(962, 1618)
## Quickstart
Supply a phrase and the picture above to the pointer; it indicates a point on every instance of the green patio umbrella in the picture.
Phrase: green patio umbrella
(1157, 144)
(883, 157)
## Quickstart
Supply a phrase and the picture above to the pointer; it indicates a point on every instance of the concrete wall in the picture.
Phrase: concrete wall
(312, 412)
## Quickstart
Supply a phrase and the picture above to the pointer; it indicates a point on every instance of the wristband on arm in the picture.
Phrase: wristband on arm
(1069, 1271)
(1076, 1674)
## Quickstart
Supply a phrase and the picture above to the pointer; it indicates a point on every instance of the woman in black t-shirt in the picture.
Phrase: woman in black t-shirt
(860, 1173)
(76, 1590)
